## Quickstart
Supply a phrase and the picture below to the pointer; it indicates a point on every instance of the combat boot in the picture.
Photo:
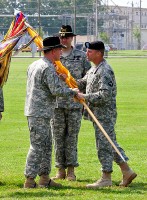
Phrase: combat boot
(100, 184)
(46, 182)
(70, 174)
(128, 177)
(105, 181)
(61, 174)
(30, 183)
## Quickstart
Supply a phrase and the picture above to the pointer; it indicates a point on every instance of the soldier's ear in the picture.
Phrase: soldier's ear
(98, 52)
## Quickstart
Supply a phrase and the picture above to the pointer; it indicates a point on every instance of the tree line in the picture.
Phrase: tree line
(58, 11)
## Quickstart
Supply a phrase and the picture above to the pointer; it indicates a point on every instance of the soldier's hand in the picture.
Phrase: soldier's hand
(63, 77)
(76, 90)
(80, 95)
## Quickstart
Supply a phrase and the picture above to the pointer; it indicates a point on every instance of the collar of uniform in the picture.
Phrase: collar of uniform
(71, 54)
(98, 66)
(46, 59)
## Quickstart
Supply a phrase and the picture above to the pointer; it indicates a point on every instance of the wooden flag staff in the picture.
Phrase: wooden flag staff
(102, 129)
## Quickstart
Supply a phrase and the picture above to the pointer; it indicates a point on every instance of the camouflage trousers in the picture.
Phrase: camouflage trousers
(39, 156)
(66, 126)
(106, 153)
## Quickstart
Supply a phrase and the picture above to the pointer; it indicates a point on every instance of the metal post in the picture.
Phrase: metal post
(39, 23)
(140, 24)
(74, 21)
(127, 32)
(96, 19)
(132, 22)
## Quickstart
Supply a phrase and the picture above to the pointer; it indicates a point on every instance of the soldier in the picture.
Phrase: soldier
(1, 103)
(101, 97)
(43, 85)
(68, 114)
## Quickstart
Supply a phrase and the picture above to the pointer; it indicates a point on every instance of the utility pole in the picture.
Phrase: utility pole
(96, 20)
(127, 32)
(74, 21)
(39, 17)
(132, 22)
(140, 24)
(39, 23)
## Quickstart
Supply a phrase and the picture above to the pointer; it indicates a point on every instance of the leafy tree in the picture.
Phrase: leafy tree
(105, 37)
(137, 36)
(62, 12)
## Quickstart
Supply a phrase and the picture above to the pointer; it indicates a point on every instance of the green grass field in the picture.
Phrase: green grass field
(131, 127)
(128, 53)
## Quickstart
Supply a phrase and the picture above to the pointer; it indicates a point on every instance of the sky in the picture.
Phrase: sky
(128, 3)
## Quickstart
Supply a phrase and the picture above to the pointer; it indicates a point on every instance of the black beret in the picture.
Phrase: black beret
(96, 45)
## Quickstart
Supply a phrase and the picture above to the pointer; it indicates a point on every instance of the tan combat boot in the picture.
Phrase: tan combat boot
(70, 174)
(100, 184)
(61, 174)
(128, 174)
(105, 181)
(30, 183)
(128, 177)
(46, 182)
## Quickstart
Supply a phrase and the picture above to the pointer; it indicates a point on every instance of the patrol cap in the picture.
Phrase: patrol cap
(96, 45)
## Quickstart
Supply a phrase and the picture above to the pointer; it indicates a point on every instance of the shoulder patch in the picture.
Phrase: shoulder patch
(110, 84)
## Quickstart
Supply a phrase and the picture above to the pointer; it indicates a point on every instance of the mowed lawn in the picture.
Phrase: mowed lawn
(131, 130)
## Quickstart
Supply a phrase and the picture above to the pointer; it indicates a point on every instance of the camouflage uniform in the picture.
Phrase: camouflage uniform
(101, 97)
(43, 85)
(68, 114)
(1, 101)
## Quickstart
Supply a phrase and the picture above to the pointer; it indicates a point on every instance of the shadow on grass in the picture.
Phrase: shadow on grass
(2, 183)
(134, 188)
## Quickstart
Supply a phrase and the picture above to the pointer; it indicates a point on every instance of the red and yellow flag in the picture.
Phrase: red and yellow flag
(18, 27)
(15, 32)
